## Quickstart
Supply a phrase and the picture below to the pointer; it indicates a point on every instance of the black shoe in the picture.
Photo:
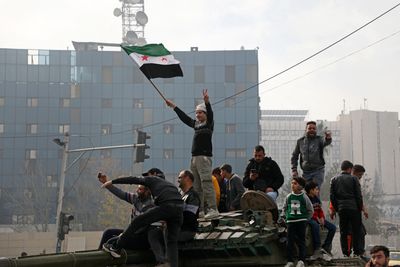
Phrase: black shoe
(115, 252)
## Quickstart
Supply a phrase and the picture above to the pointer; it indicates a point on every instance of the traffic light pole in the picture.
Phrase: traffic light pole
(64, 168)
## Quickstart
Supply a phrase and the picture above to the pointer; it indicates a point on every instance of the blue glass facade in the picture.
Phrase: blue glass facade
(100, 97)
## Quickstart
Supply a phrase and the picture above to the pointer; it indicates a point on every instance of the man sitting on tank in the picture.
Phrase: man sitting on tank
(141, 201)
(263, 174)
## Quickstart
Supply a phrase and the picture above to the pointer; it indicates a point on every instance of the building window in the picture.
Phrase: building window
(32, 128)
(32, 102)
(107, 76)
(51, 181)
(198, 101)
(30, 154)
(27, 193)
(63, 128)
(106, 129)
(38, 57)
(1, 153)
(106, 103)
(235, 153)
(168, 128)
(1, 128)
(23, 219)
(65, 102)
(2, 101)
(75, 90)
(199, 74)
(230, 76)
(138, 103)
(105, 154)
(168, 153)
(230, 128)
(230, 102)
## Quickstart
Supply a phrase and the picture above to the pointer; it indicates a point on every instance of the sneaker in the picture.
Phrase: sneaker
(300, 263)
(115, 252)
(326, 251)
(289, 264)
(316, 255)
(211, 214)
(201, 214)
(326, 257)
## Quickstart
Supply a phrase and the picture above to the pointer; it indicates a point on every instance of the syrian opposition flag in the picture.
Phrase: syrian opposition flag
(154, 60)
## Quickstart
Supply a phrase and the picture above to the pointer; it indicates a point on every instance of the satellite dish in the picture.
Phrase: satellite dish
(141, 18)
(141, 41)
(131, 37)
(117, 12)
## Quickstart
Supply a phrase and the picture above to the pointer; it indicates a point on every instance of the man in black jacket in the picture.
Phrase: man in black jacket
(190, 215)
(201, 162)
(168, 207)
(346, 199)
(263, 174)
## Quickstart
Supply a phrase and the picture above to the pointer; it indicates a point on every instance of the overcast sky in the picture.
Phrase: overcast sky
(283, 31)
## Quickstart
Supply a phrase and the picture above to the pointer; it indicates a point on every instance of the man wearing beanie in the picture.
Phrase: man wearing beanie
(298, 210)
(201, 161)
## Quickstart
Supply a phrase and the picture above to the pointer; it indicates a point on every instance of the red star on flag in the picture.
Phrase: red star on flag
(145, 58)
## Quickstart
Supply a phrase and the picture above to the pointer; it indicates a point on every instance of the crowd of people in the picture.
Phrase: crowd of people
(164, 214)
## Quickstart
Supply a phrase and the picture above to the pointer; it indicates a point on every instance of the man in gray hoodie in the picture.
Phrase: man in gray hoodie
(310, 148)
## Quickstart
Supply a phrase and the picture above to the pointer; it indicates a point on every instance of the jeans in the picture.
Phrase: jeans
(315, 175)
(296, 233)
(315, 232)
(273, 195)
(137, 241)
(201, 169)
(171, 213)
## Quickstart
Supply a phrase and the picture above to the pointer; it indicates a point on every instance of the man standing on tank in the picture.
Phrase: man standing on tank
(201, 162)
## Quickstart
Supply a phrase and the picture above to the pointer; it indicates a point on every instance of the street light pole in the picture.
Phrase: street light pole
(64, 168)
(64, 145)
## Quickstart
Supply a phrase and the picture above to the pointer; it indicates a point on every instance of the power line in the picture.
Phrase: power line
(273, 76)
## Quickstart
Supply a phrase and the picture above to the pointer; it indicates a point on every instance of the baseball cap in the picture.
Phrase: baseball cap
(157, 172)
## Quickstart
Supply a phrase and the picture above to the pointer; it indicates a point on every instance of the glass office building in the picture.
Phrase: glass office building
(101, 98)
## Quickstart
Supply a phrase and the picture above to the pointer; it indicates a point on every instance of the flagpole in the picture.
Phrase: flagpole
(157, 89)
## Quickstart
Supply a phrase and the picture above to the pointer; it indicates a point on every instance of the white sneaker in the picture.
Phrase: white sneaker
(201, 214)
(211, 214)
(289, 264)
(316, 255)
(300, 263)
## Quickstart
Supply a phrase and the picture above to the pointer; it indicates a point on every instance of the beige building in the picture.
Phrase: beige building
(372, 138)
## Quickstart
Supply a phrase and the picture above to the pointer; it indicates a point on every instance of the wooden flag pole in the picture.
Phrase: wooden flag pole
(157, 89)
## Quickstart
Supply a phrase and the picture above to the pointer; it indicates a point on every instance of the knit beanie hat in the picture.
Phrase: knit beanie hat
(201, 107)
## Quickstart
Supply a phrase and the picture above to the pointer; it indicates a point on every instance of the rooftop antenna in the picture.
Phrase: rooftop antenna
(365, 103)
(344, 106)
(133, 21)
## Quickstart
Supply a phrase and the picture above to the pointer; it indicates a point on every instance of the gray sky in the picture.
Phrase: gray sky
(284, 31)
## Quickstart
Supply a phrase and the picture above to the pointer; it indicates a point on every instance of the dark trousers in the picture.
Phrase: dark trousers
(296, 233)
(315, 232)
(350, 218)
(172, 214)
(137, 241)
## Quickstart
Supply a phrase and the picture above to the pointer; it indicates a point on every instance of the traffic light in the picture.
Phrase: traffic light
(141, 150)
(64, 226)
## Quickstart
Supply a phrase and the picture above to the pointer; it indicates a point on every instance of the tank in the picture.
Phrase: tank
(253, 236)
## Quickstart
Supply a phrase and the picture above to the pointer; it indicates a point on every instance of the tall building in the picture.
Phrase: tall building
(371, 138)
(280, 130)
(100, 98)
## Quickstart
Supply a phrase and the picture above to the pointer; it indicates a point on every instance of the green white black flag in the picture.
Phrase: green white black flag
(154, 60)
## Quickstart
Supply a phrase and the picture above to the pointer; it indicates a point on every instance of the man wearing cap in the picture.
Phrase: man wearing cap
(201, 161)
(168, 207)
